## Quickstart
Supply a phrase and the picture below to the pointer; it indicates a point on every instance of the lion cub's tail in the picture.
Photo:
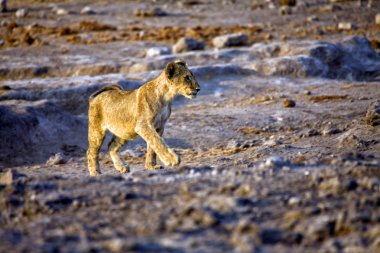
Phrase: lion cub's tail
(105, 88)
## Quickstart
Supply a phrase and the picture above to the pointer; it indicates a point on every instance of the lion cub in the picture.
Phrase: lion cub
(143, 112)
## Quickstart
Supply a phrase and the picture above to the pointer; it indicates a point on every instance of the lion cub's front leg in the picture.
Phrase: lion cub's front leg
(150, 160)
(149, 134)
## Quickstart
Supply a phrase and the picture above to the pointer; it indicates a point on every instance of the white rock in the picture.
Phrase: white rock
(157, 51)
(87, 10)
(346, 26)
(61, 12)
(21, 13)
(293, 201)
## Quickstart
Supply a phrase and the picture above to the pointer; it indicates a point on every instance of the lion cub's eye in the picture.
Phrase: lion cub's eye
(188, 79)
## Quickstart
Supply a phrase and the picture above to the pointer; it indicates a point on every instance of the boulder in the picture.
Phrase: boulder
(32, 131)
(354, 59)
(230, 40)
(188, 44)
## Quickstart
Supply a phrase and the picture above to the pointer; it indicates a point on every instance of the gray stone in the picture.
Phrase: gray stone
(310, 132)
(230, 40)
(188, 44)
(330, 130)
(372, 117)
(56, 159)
(297, 66)
(275, 162)
(155, 12)
(313, 18)
(320, 228)
(232, 144)
(4, 23)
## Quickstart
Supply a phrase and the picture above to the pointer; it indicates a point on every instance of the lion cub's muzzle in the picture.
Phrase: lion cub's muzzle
(193, 93)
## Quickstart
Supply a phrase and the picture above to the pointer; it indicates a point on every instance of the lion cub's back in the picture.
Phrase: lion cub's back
(114, 107)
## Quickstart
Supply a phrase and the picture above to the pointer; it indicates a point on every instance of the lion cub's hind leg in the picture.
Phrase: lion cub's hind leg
(95, 140)
(114, 146)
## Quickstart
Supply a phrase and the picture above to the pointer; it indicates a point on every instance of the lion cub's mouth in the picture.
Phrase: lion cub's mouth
(192, 94)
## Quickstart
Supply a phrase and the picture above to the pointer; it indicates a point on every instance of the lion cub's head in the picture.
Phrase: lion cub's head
(182, 78)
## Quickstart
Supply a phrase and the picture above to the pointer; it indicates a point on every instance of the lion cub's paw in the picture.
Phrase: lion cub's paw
(123, 168)
(94, 173)
(153, 167)
(174, 159)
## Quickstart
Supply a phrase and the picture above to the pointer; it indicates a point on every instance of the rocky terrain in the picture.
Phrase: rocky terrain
(280, 151)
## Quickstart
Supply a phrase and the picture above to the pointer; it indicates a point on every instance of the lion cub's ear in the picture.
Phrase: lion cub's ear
(174, 68)
(171, 70)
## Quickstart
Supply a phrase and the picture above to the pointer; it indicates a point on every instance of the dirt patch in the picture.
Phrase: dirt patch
(326, 98)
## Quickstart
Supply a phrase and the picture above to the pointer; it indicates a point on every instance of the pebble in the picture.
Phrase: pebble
(87, 10)
(285, 10)
(288, 103)
(56, 159)
(346, 26)
(230, 40)
(309, 133)
(331, 185)
(61, 12)
(21, 13)
(307, 92)
(275, 161)
(370, 183)
(155, 12)
(312, 18)
(188, 44)
(4, 23)
(115, 244)
(320, 228)
(157, 51)
(294, 201)
(232, 144)
(272, 142)
(330, 8)
(330, 130)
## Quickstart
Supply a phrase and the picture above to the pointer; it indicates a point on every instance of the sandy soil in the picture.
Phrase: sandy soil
(280, 150)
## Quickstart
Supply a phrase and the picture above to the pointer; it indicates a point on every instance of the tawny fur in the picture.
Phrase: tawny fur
(143, 112)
